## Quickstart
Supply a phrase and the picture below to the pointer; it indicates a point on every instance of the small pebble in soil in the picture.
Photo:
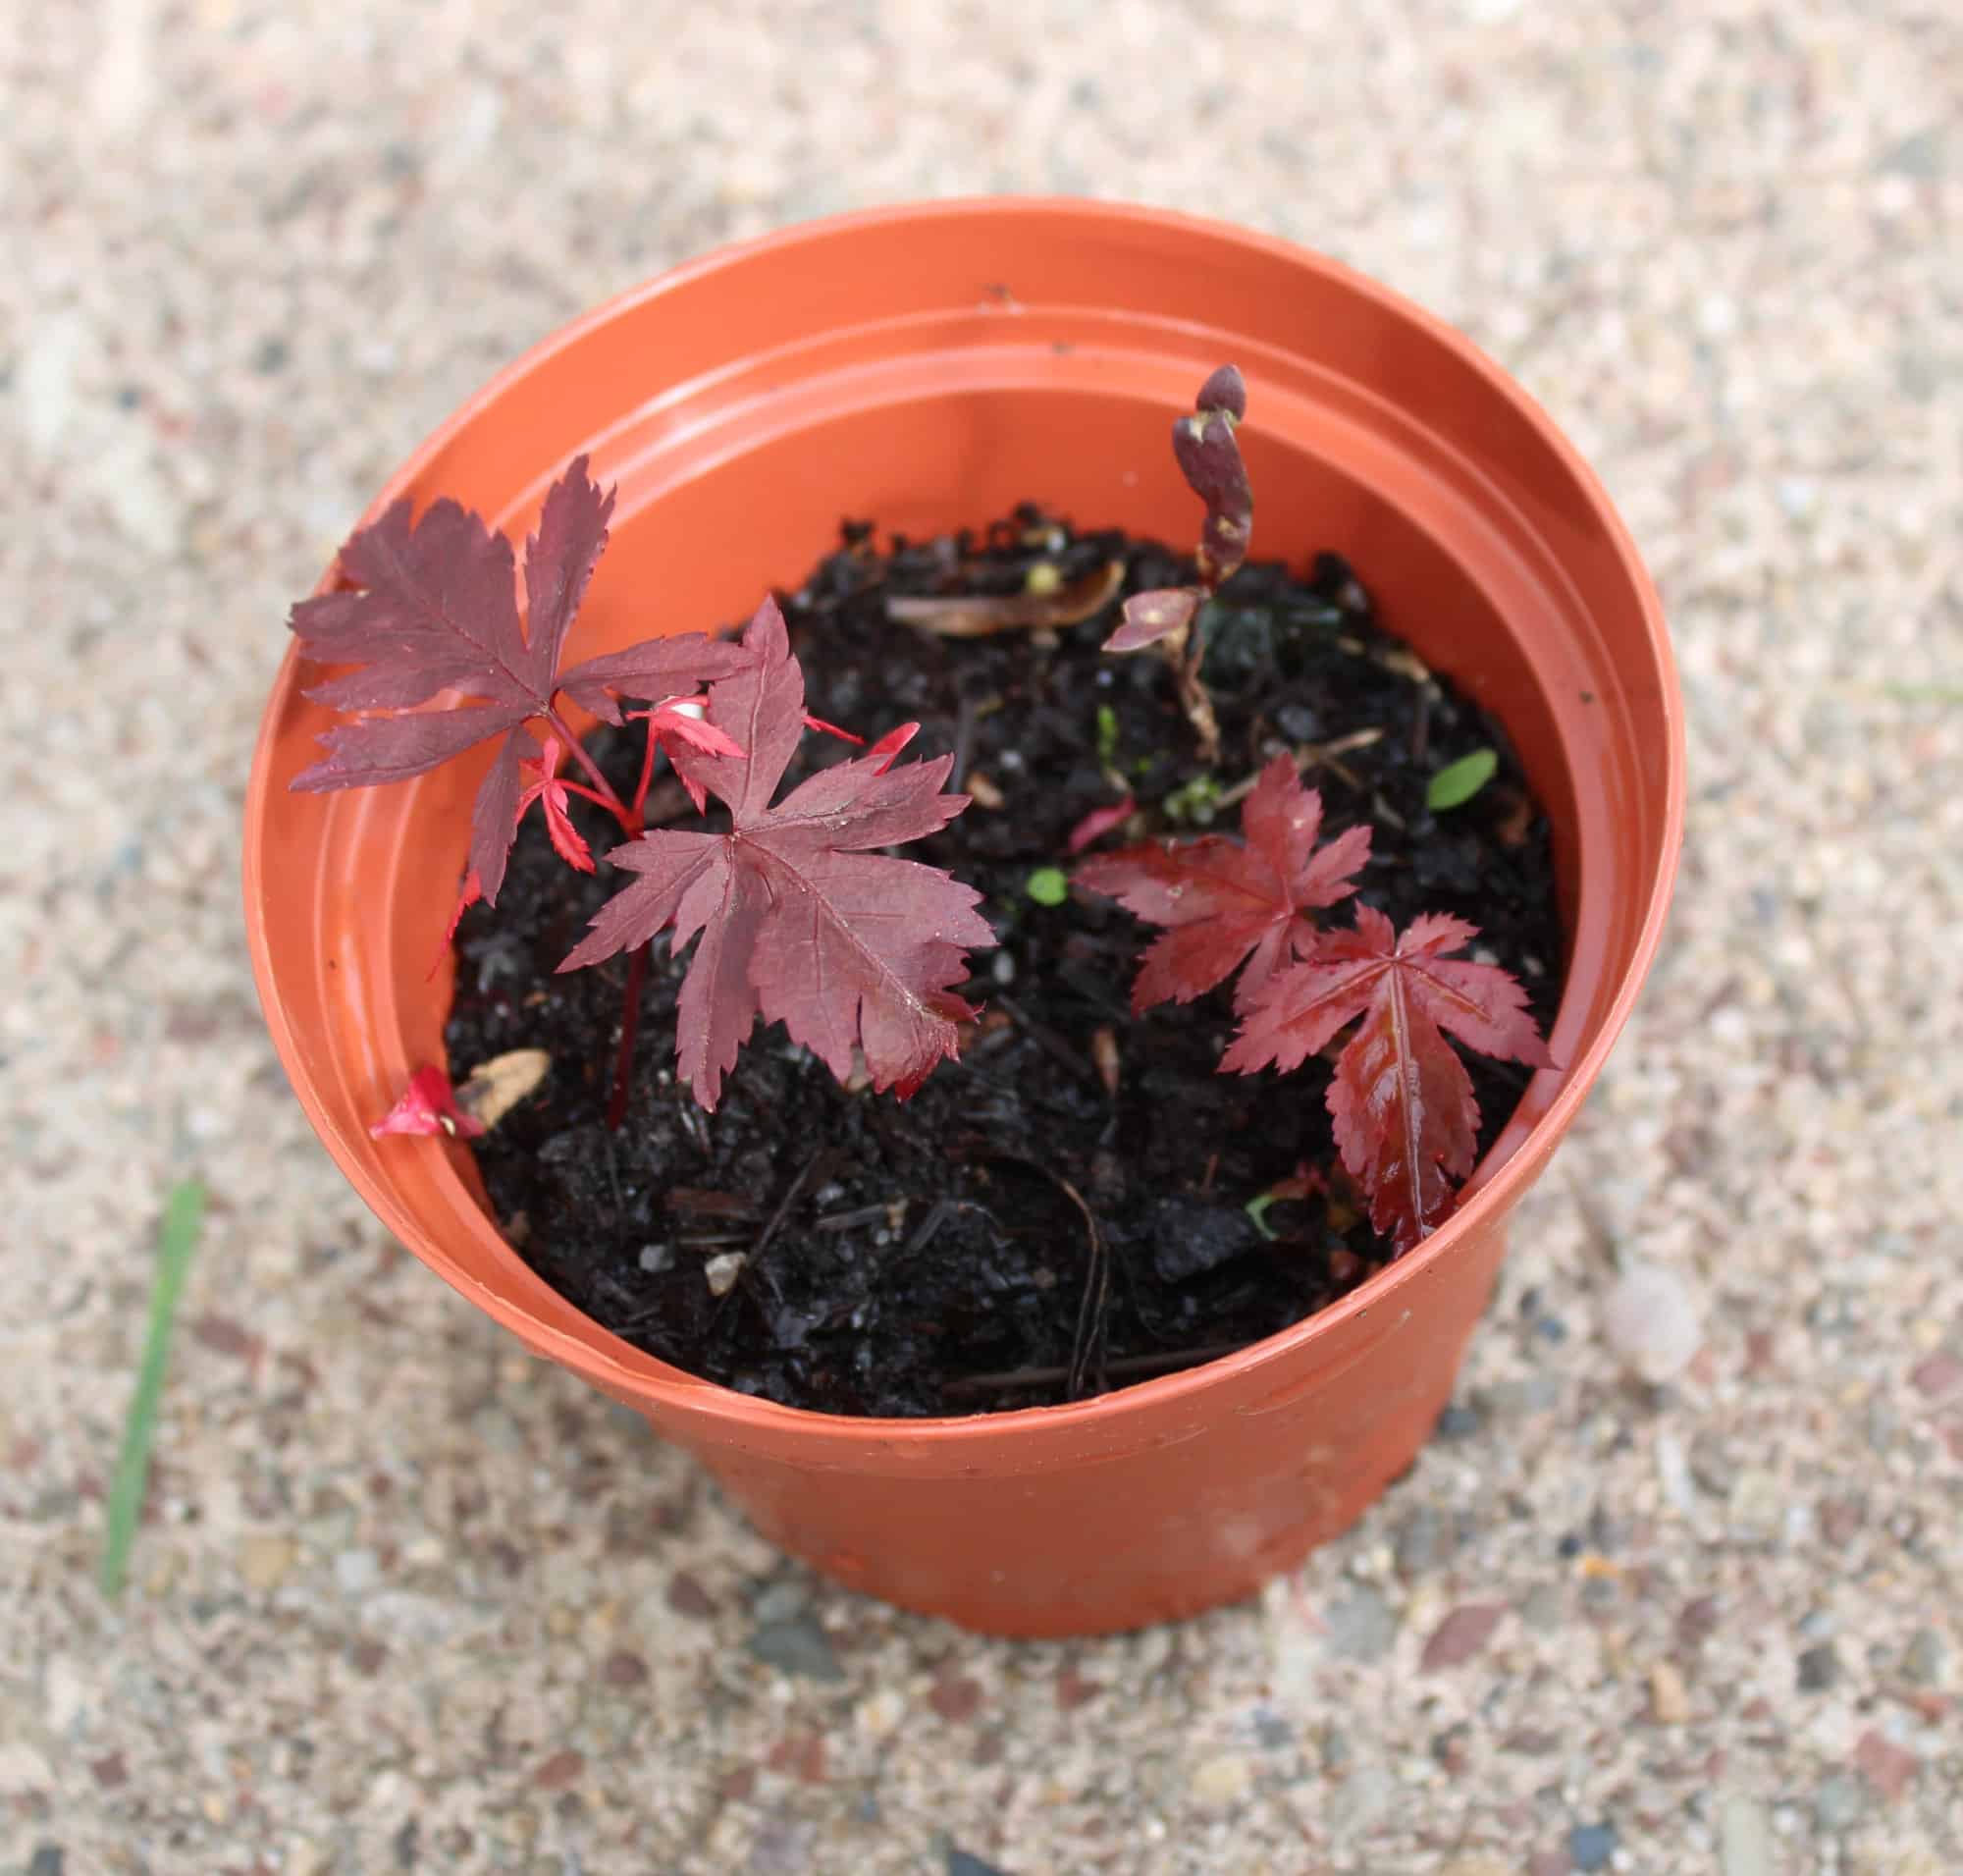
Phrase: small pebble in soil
(1591, 1846)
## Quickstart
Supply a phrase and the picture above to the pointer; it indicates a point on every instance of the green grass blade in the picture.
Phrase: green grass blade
(184, 1214)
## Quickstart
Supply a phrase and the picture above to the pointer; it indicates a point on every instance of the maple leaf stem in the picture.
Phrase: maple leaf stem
(591, 794)
(647, 780)
(628, 818)
(631, 1028)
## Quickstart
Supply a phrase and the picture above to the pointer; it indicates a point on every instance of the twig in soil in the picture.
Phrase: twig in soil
(752, 1270)
(1310, 755)
(784, 1205)
(1087, 1349)
(1047, 1039)
(1163, 1361)
(613, 1179)
(852, 1220)
(1422, 723)
(964, 738)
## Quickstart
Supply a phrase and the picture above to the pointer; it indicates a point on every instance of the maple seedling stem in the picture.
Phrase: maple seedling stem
(630, 1029)
(647, 780)
(628, 818)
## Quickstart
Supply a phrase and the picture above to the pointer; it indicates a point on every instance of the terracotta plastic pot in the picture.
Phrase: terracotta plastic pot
(929, 366)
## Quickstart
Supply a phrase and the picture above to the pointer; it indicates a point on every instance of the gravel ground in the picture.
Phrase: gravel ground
(407, 1600)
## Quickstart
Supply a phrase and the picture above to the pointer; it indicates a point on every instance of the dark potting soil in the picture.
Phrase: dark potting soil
(1015, 1235)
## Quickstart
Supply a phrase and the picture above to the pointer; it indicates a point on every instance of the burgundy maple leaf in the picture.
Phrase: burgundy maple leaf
(428, 1106)
(797, 920)
(1209, 458)
(434, 608)
(1225, 900)
(1406, 1123)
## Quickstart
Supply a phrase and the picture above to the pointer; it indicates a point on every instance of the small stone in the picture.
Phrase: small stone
(1458, 1423)
(1887, 1767)
(1840, 1801)
(1334, 1751)
(1477, 1866)
(1757, 1504)
(1937, 1377)
(1744, 1837)
(1462, 1634)
(1672, 1469)
(1423, 1540)
(1590, 1845)
(356, 1570)
(1698, 1619)
(797, 1646)
(1818, 1668)
(687, 1597)
(961, 1863)
(721, 1272)
(1543, 1609)
(1550, 1862)
(1669, 1700)
(1918, 155)
(879, 1714)
(1925, 1659)
(1223, 1780)
(654, 1259)
(1363, 1797)
(623, 1669)
(48, 1859)
(560, 1770)
(955, 1697)
(781, 1600)
(264, 1559)
(1361, 1626)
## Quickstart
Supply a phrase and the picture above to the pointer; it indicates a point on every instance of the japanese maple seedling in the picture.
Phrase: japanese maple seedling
(1209, 457)
(855, 951)
(795, 918)
(1404, 1115)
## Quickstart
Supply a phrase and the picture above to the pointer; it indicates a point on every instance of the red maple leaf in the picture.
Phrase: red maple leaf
(1406, 1123)
(550, 793)
(797, 920)
(428, 1106)
(1225, 900)
(433, 607)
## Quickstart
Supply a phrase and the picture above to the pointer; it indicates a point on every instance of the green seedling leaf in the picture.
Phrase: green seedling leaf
(183, 1214)
(1257, 1208)
(1194, 800)
(1047, 886)
(1458, 782)
(1107, 735)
